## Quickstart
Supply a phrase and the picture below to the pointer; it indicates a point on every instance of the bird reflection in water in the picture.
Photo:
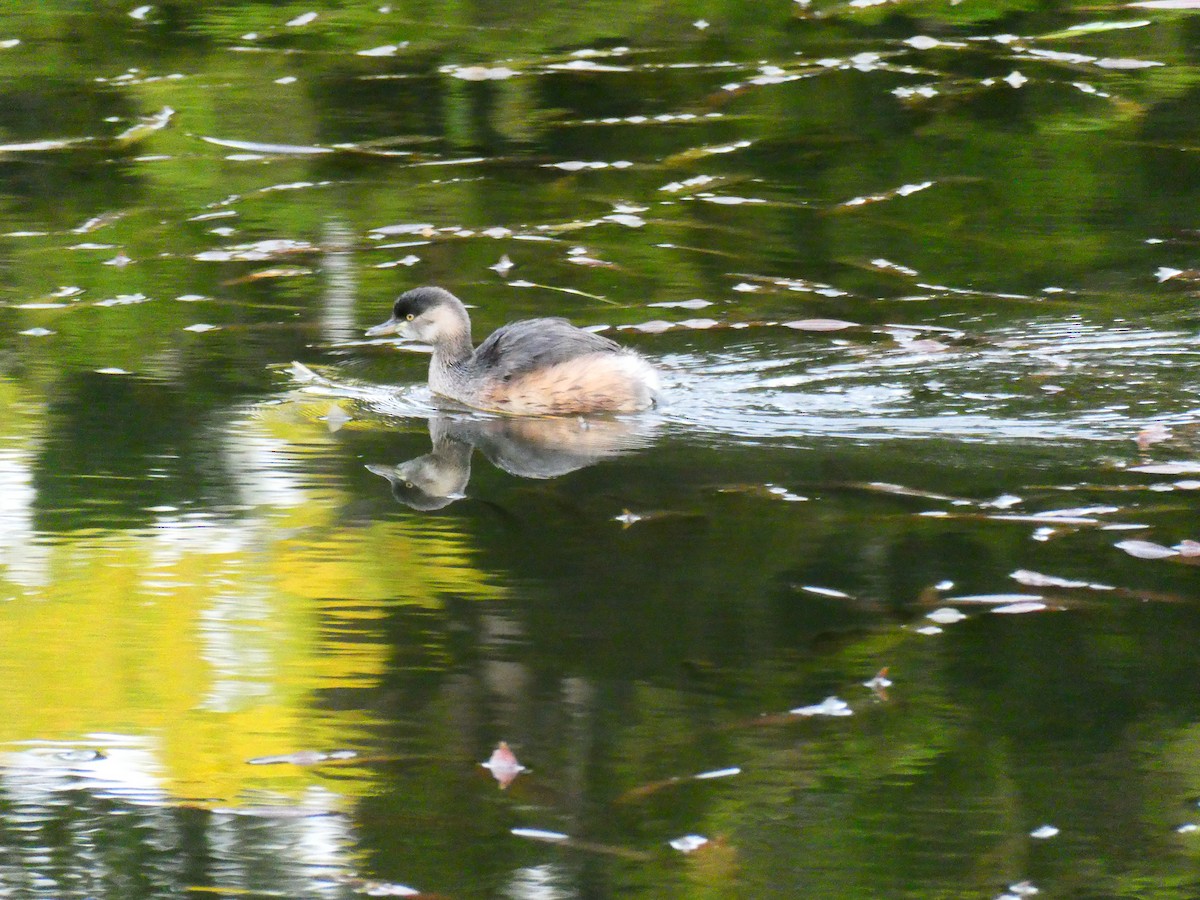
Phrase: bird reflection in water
(525, 447)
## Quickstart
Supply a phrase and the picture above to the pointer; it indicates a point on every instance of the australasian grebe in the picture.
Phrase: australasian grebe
(535, 367)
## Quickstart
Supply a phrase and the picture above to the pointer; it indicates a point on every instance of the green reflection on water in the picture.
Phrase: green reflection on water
(199, 569)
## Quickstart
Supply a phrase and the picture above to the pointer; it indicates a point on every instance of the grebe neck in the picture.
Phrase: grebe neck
(450, 355)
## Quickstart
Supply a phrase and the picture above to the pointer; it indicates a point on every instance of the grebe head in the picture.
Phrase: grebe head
(427, 314)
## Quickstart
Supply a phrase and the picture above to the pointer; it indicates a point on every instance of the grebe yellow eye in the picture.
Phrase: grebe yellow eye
(409, 317)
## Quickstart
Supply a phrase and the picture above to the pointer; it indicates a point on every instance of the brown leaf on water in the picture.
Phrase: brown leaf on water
(565, 840)
(503, 765)
(654, 787)
(1152, 434)
(277, 272)
(303, 758)
(646, 790)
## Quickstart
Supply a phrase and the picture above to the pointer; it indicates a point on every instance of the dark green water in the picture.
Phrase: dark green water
(239, 659)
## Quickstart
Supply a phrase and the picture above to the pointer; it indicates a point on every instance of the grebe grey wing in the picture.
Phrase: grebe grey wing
(522, 347)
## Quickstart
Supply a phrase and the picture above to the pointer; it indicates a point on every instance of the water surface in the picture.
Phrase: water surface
(894, 595)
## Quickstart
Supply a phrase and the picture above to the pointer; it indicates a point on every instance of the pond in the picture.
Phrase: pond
(894, 594)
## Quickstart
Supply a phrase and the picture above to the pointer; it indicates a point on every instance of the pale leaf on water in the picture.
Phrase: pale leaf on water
(387, 889)
(830, 706)
(260, 147)
(947, 615)
(1146, 549)
(538, 834)
(718, 773)
(879, 681)
(824, 592)
(385, 50)
(480, 73)
(654, 326)
(1168, 468)
(1037, 579)
(146, 126)
(1026, 606)
(629, 221)
(1127, 64)
(39, 146)
(1004, 501)
(996, 598)
(1097, 27)
(820, 324)
(1152, 434)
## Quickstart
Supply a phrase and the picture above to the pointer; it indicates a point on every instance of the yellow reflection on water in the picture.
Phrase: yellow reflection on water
(210, 638)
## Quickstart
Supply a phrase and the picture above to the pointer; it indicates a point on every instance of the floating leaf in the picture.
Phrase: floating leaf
(947, 615)
(879, 681)
(688, 843)
(1026, 606)
(146, 126)
(410, 260)
(824, 592)
(302, 758)
(718, 773)
(480, 73)
(1127, 64)
(503, 765)
(1036, 579)
(830, 706)
(1152, 434)
(201, 327)
(256, 252)
(1096, 27)
(385, 50)
(303, 19)
(39, 146)
(820, 324)
(538, 834)
(1170, 468)
(996, 598)
(1146, 549)
(260, 147)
